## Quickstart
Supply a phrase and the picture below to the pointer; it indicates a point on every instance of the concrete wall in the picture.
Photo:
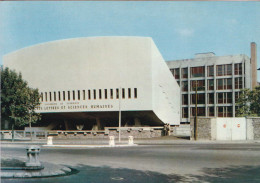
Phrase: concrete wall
(227, 128)
(253, 128)
(166, 92)
(204, 129)
(99, 64)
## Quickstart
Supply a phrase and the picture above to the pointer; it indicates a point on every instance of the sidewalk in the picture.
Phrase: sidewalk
(169, 140)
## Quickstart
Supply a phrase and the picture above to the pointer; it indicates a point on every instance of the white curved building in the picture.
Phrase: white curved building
(88, 80)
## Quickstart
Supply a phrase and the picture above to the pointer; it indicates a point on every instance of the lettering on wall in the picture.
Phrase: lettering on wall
(70, 106)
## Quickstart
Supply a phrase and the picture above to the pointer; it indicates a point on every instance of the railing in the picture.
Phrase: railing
(22, 134)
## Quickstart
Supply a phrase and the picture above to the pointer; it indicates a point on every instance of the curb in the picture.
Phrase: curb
(87, 146)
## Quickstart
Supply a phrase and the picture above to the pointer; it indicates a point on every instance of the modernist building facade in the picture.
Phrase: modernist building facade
(89, 80)
(219, 80)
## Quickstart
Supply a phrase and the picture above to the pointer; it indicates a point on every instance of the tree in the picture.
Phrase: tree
(18, 100)
(248, 103)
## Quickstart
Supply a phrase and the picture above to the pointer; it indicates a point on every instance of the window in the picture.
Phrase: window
(224, 70)
(89, 94)
(224, 111)
(238, 83)
(94, 94)
(84, 95)
(50, 96)
(68, 95)
(210, 71)
(177, 73)
(210, 84)
(211, 111)
(229, 83)
(105, 93)
(59, 96)
(238, 69)
(111, 93)
(78, 94)
(229, 98)
(41, 96)
(200, 111)
(117, 93)
(220, 98)
(200, 99)
(64, 96)
(210, 98)
(185, 99)
(224, 98)
(200, 85)
(123, 93)
(224, 84)
(185, 112)
(129, 92)
(184, 73)
(197, 72)
(135, 92)
(220, 111)
(229, 69)
(184, 85)
(54, 96)
(220, 84)
(100, 94)
(73, 94)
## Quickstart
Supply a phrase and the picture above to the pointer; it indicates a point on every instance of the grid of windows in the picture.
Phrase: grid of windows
(81, 94)
(223, 80)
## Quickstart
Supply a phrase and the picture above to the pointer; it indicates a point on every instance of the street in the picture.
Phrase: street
(188, 162)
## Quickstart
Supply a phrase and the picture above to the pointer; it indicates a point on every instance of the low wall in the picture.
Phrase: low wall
(207, 128)
(137, 132)
(253, 128)
(204, 128)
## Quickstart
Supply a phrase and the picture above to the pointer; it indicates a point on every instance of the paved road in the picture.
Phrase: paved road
(188, 162)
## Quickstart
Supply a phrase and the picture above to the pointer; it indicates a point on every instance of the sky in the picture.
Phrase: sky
(179, 29)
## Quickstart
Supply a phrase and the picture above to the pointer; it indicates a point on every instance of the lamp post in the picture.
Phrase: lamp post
(119, 125)
(196, 110)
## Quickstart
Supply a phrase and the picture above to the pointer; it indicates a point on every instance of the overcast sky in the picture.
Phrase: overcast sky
(179, 29)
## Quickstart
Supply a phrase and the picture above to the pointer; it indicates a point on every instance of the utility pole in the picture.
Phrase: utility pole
(196, 112)
(119, 128)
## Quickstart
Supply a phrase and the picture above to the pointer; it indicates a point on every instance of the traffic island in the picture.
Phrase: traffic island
(16, 168)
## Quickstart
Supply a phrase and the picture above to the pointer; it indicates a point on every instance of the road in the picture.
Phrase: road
(188, 162)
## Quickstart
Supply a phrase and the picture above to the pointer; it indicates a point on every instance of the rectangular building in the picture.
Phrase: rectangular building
(219, 81)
